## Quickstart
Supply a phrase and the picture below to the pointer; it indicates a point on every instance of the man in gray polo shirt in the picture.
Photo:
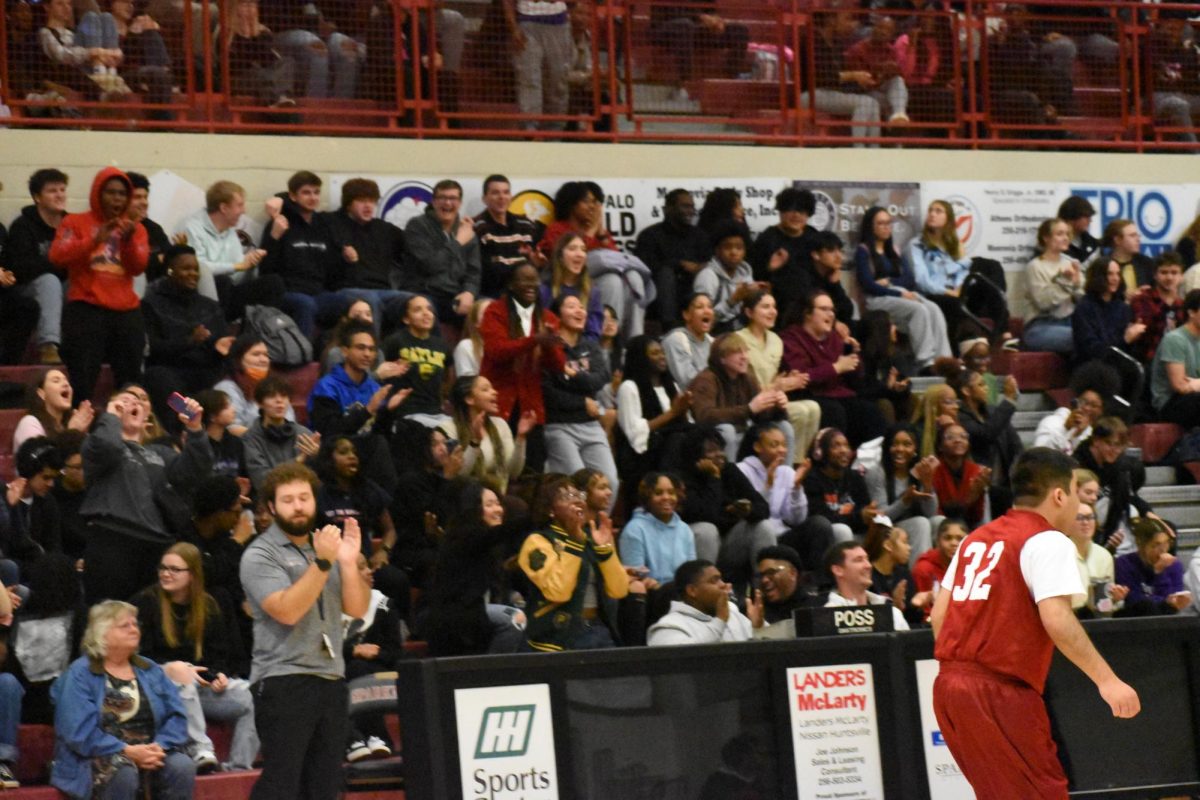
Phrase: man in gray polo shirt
(299, 581)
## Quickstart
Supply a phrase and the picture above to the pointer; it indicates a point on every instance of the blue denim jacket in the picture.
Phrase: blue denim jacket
(78, 695)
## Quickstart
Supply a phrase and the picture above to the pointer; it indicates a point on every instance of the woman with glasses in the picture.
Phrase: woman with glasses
(119, 723)
(185, 632)
(1121, 477)
(960, 483)
(1095, 569)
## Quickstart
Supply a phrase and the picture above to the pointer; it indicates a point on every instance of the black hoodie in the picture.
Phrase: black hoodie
(172, 313)
(307, 255)
(28, 247)
(380, 248)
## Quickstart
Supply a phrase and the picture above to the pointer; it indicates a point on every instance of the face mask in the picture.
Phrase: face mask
(256, 373)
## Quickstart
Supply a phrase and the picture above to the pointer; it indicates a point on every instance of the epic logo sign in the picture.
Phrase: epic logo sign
(1150, 210)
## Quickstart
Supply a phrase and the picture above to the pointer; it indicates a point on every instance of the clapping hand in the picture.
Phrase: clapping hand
(350, 544)
(526, 423)
(602, 532)
(81, 418)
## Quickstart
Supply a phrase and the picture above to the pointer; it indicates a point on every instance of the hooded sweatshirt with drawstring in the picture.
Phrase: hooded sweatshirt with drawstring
(101, 273)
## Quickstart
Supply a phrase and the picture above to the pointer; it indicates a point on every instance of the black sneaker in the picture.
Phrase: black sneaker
(7, 779)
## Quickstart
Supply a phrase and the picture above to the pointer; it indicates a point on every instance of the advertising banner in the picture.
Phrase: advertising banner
(506, 743)
(841, 206)
(946, 781)
(835, 732)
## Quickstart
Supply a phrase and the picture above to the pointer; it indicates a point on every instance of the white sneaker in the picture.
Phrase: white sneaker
(357, 751)
(205, 760)
(899, 118)
(378, 747)
(7, 779)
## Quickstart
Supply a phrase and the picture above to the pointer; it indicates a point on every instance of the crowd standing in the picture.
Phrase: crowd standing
(501, 455)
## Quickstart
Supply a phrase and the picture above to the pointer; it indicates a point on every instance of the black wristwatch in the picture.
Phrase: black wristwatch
(323, 564)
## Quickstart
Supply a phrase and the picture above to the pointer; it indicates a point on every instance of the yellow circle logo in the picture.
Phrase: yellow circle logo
(533, 204)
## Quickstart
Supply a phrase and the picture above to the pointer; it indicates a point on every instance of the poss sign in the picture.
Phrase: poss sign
(837, 620)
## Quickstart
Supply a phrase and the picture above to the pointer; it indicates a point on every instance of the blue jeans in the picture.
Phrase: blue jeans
(380, 300)
(10, 716)
(98, 30)
(174, 781)
(316, 59)
(304, 308)
(1048, 335)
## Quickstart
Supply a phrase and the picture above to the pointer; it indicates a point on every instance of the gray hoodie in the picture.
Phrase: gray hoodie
(267, 449)
(123, 479)
(684, 624)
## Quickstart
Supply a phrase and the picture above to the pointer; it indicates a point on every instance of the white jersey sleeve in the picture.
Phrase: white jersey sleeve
(1048, 566)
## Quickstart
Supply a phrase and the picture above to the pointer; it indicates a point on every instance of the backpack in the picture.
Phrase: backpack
(287, 346)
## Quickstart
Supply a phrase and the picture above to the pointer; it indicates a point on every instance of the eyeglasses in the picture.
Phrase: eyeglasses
(771, 572)
(1085, 517)
(173, 570)
(572, 495)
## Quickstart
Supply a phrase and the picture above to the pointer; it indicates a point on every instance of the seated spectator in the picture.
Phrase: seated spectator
(727, 396)
(1158, 307)
(209, 447)
(655, 537)
(420, 346)
(835, 491)
(851, 570)
(90, 69)
(139, 211)
(727, 278)
(827, 261)
(506, 238)
(994, 441)
(48, 401)
(468, 353)
(145, 64)
(553, 558)
(721, 205)
(491, 453)
(939, 267)
(118, 716)
(1121, 478)
(370, 644)
(931, 566)
(782, 254)
(1186, 247)
(836, 89)
(349, 395)
(372, 248)
(1054, 282)
(69, 492)
(461, 621)
(1067, 427)
(569, 276)
(273, 439)
(901, 486)
(126, 530)
(1032, 69)
(698, 30)
(1095, 569)
(328, 61)
(889, 551)
(960, 483)
(18, 316)
(1175, 373)
(938, 408)
(102, 251)
(887, 281)
(520, 342)
(443, 260)
(1172, 66)
(876, 56)
(247, 364)
(186, 332)
(575, 436)
(1077, 212)
(765, 467)
(1153, 576)
(301, 248)
(612, 344)
(357, 311)
(228, 268)
(779, 571)
(925, 57)
(26, 254)
(183, 628)
(34, 522)
(579, 207)
(687, 347)
(705, 614)
(976, 355)
(1102, 319)
(256, 68)
(653, 416)
(423, 503)
(765, 350)
(812, 346)
(675, 250)
(885, 367)
(541, 47)
(1122, 242)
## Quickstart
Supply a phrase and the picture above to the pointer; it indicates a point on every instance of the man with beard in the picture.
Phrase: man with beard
(298, 582)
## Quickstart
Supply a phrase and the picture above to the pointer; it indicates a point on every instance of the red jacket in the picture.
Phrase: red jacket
(514, 366)
(101, 273)
(952, 494)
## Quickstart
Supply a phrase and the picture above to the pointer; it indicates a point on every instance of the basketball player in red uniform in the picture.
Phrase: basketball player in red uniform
(1003, 607)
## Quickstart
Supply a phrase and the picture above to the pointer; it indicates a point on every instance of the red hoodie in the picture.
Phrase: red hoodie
(101, 273)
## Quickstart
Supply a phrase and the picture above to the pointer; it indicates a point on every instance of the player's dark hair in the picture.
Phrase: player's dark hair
(1038, 471)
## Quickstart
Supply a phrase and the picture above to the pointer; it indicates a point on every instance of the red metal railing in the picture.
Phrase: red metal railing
(1090, 74)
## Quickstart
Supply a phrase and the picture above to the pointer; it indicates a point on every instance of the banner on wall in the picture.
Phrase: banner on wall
(946, 781)
(841, 206)
(506, 743)
(835, 732)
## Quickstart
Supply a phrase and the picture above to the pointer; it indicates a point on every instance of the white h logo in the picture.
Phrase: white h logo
(504, 731)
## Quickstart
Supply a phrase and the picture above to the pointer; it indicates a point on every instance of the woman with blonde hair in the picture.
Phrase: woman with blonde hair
(118, 721)
(937, 408)
(569, 276)
(185, 632)
(939, 266)
(468, 353)
(1053, 285)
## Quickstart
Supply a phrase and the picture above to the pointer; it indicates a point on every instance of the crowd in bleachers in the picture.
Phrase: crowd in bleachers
(541, 440)
(873, 68)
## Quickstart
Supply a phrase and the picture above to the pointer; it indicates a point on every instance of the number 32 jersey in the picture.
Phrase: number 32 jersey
(996, 579)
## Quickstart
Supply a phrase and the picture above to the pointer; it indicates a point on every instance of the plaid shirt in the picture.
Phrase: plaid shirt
(1159, 318)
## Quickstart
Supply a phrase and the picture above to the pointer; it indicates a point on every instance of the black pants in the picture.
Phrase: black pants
(683, 36)
(118, 566)
(858, 418)
(301, 721)
(91, 336)
(266, 290)
(18, 318)
(1183, 410)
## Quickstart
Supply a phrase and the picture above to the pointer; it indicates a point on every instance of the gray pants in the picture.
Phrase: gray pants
(1176, 109)
(613, 292)
(47, 290)
(805, 416)
(862, 108)
(235, 703)
(894, 93)
(921, 320)
(541, 69)
(742, 543)
(571, 446)
(452, 35)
